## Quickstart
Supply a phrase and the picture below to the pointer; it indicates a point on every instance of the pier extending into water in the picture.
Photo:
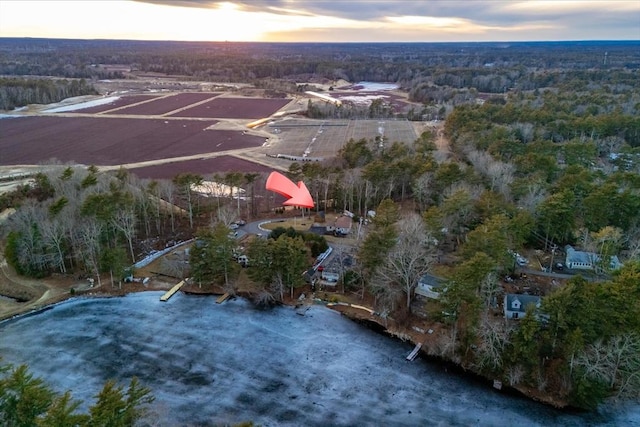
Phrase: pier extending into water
(172, 291)
(222, 298)
(414, 352)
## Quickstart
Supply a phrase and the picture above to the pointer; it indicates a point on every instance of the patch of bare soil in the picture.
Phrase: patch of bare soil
(19, 295)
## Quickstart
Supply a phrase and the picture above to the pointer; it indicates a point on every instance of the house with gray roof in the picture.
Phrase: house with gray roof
(430, 286)
(341, 226)
(515, 305)
(580, 260)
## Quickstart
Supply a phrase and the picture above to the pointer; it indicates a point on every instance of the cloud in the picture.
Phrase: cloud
(371, 10)
(533, 19)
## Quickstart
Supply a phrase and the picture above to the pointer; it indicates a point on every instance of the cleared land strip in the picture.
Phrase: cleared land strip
(264, 160)
(182, 159)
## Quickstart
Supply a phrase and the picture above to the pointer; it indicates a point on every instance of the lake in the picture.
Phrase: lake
(211, 364)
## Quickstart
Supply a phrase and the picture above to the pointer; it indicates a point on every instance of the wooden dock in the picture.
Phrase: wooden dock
(414, 352)
(172, 291)
(222, 298)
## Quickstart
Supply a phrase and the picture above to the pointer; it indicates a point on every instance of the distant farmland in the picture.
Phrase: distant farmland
(112, 141)
(165, 104)
(235, 108)
(160, 135)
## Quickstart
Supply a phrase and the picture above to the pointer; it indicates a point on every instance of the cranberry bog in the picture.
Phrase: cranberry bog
(238, 108)
(112, 141)
(166, 104)
(158, 135)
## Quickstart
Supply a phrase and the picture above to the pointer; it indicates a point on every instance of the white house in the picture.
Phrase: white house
(341, 226)
(515, 305)
(579, 260)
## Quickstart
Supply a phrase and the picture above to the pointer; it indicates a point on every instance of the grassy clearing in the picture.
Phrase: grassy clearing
(297, 223)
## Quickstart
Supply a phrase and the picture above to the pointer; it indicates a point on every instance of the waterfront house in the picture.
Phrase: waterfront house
(515, 305)
(430, 286)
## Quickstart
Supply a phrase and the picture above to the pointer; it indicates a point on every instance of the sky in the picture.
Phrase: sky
(323, 21)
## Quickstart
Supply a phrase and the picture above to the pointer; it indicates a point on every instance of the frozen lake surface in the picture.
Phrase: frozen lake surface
(210, 364)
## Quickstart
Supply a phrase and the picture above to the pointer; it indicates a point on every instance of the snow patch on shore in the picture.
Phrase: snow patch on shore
(83, 105)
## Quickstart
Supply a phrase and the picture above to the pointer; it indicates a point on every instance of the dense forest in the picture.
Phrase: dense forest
(427, 71)
(543, 151)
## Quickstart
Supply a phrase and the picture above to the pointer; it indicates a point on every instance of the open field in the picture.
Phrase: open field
(159, 134)
(324, 138)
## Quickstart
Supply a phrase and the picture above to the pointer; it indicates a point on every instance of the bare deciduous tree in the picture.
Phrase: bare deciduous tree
(498, 174)
(526, 131)
(88, 234)
(632, 241)
(494, 338)
(55, 232)
(226, 214)
(616, 363)
(423, 189)
(125, 220)
(168, 191)
(515, 374)
(410, 258)
(489, 289)
(536, 194)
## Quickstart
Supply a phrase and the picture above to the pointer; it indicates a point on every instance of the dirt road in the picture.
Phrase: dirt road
(21, 295)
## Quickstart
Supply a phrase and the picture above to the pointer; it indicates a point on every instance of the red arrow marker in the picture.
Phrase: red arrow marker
(298, 195)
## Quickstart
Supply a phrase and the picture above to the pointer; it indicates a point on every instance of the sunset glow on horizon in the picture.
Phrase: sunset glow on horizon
(318, 21)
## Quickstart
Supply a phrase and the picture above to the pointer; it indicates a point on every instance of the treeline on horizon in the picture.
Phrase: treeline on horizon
(485, 67)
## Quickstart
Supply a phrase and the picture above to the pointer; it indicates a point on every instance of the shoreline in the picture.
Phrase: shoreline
(356, 313)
